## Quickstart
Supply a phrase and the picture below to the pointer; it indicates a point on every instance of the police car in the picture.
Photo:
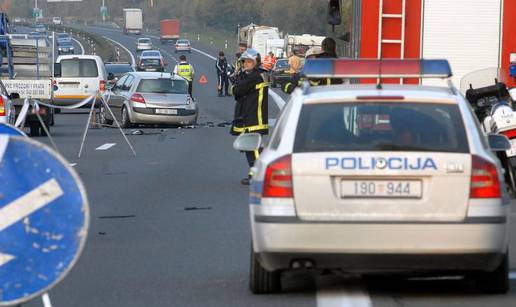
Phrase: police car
(370, 179)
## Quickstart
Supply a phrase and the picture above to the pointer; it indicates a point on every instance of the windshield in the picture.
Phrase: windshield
(381, 127)
(163, 86)
(79, 68)
(281, 64)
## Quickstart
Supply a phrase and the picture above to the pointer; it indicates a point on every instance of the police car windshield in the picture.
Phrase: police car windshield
(163, 86)
(381, 127)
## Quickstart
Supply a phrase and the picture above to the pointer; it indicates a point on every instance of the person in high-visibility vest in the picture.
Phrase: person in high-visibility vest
(185, 70)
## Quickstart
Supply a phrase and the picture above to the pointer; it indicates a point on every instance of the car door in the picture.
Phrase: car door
(125, 94)
(115, 98)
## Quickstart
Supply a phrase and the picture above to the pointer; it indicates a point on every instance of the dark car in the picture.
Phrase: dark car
(65, 48)
(279, 74)
(116, 70)
(151, 63)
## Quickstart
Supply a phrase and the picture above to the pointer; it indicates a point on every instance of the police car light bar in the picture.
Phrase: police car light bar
(385, 68)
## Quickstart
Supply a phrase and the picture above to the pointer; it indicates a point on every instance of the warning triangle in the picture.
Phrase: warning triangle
(203, 80)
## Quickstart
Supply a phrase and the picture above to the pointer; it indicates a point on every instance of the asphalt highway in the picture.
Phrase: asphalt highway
(170, 227)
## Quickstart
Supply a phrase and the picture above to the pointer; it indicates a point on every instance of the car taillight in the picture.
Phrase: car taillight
(102, 86)
(511, 134)
(484, 179)
(278, 179)
(2, 106)
(137, 98)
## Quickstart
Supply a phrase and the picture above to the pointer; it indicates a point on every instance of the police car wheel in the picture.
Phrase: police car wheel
(497, 281)
(262, 281)
(126, 122)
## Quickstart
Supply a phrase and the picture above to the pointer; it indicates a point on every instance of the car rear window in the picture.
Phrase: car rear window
(282, 64)
(151, 62)
(382, 126)
(84, 68)
(151, 53)
(163, 86)
(183, 42)
(144, 40)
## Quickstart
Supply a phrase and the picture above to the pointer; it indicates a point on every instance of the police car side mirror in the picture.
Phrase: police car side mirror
(248, 142)
(498, 142)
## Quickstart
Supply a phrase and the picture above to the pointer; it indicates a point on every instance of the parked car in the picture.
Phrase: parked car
(7, 110)
(40, 28)
(183, 45)
(78, 77)
(57, 21)
(151, 63)
(151, 98)
(144, 44)
(65, 48)
(279, 74)
(116, 70)
(151, 53)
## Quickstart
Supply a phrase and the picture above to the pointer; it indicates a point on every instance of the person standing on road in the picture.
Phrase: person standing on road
(294, 63)
(251, 109)
(222, 73)
(185, 70)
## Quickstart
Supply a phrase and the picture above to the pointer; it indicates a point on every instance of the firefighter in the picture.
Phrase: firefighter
(222, 73)
(251, 109)
(296, 79)
(185, 70)
(268, 61)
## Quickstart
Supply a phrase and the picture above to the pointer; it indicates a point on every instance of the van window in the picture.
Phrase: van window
(82, 68)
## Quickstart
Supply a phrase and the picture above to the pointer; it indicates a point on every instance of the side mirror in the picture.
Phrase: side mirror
(334, 16)
(57, 69)
(111, 76)
(14, 96)
(248, 142)
(498, 142)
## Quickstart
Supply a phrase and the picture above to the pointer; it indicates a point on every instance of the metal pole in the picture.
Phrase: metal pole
(53, 52)
(37, 57)
(103, 15)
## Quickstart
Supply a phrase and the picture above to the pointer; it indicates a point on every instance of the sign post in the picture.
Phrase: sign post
(44, 219)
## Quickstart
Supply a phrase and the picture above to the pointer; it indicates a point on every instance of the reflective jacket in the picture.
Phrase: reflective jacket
(252, 106)
(185, 70)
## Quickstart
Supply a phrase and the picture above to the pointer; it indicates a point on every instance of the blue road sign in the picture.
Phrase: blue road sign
(44, 219)
(10, 130)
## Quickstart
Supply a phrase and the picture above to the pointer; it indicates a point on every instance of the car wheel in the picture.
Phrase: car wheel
(103, 119)
(497, 281)
(273, 83)
(262, 281)
(126, 122)
(34, 129)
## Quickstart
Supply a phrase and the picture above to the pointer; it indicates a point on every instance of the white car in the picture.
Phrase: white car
(387, 179)
(183, 45)
(7, 110)
(144, 44)
(57, 21)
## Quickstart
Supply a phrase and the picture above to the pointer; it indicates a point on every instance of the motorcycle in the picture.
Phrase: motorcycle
(493, 105)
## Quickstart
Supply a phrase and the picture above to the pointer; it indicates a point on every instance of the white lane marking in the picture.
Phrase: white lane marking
(80, 45)
(4, 141)
(133, 59)
(29, 203)
(73, 164)
(352, 295)
(106, 146)
(204, 53)
(154, 36)
(170, 55)
(46, 300)
(4, 258)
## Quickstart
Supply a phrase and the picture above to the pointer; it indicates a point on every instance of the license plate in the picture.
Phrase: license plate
(69, 85)
(512, 152)
(381, 189)
(166, 111)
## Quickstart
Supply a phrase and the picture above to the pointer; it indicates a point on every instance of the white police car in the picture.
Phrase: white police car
(388, 179)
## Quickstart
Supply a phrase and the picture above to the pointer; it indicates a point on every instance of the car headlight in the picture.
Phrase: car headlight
(60, 49)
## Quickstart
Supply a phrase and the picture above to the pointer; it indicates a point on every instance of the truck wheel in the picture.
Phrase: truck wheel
(262, 281)
(34, 129)
(496, 282)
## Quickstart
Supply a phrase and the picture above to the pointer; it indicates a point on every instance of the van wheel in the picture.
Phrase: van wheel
(126, 122)
(262, 281)
(497, 281)
(34, 129)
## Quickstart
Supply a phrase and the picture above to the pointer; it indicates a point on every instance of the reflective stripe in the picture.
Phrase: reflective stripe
(260, 87)
(314, 83)
(256, 154)
(250, 128)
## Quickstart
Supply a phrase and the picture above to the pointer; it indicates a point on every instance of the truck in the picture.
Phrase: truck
(256, 37)
(299, 44)
(133, 21)
(169, 30)
(471, 35)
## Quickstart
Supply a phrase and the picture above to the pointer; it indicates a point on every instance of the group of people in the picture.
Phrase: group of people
(250, 87)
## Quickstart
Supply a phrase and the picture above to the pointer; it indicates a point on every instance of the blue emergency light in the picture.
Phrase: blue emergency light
(385, 68)
(512, 70)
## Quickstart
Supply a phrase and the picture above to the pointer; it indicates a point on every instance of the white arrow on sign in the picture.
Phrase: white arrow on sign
(26, 205)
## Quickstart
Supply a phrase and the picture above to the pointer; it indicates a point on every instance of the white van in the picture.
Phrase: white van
(78, 77)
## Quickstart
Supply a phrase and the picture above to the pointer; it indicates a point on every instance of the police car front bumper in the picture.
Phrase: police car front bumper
(376, 247)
